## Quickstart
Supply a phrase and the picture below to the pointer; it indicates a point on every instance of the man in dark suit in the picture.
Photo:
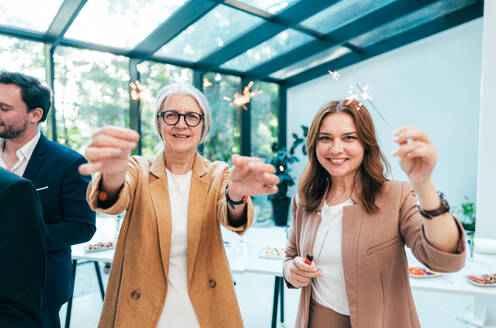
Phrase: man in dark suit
(53, 169)
(22, 253)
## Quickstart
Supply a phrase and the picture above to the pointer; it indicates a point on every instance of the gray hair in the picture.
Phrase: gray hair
(185, 89)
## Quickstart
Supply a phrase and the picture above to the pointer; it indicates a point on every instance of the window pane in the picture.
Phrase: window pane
(312, 61)
(91, 91)
(342, 13)
(277, 45)
(264, 131)
(154, 77)
(270, 6)
(209, 34)
(29, 14)
(27, 57)
(407, 22)
(224, 137)
(120, 23)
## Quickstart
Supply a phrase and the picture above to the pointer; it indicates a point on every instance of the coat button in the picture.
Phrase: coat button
(135, 294)
(212, 283)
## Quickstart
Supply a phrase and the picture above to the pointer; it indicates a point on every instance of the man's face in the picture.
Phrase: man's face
(14, 116)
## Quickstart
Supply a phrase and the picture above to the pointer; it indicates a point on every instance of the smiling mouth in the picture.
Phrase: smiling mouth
(337, 161)
(181, 136)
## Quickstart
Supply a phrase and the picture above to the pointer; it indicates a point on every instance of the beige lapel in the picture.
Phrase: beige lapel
(197, 197)
(352, 221)
(161, 203)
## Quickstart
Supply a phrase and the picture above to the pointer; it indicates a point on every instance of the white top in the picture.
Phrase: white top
(23, 155)
(178, 310)
(330, 290)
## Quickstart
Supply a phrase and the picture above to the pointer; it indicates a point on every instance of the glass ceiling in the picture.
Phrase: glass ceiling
(118, 23)
(410, 21)
(270, 6)
(343, 12)
(210, 33)
(118, 26)
(283, 42)
(28, 14)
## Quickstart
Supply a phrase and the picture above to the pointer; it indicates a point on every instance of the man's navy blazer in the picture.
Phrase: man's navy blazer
(22, 253)
(53, 169)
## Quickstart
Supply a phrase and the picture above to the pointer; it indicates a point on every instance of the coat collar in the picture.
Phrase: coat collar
(161, 201)
(36, 159)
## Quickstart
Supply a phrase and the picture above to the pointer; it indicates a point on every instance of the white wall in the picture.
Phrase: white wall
(486, 217)
(433, 84)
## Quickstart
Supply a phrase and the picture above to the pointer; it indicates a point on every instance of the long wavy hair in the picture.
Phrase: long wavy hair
(371, 175)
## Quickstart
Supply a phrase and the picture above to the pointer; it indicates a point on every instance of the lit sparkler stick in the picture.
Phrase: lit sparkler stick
(206, 83)
(365, 96)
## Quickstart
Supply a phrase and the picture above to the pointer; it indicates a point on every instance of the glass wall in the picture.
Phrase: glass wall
(264, 131)
(224, 137)
(91, 91)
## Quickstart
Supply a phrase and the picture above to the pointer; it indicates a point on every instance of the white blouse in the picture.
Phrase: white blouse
(178, 310)
(330, 290)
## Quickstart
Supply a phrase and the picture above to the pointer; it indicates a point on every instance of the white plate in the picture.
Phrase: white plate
(437, 274)
(477, 284)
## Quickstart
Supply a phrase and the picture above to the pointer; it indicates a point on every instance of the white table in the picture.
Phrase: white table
(244, 256)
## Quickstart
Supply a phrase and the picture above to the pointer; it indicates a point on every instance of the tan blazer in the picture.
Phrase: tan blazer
(374, 259)
(137, 284)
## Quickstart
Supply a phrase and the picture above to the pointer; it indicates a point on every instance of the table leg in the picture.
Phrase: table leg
(281, 282)
(275, 302)
(99, 277)
(69, 303)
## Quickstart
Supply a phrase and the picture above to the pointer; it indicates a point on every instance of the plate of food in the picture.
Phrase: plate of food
(483, 280)
(419, 272)
(272, 252)
(101, 246)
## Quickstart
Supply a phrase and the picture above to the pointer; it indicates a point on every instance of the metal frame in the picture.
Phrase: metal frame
(440, 24)
(193, 10)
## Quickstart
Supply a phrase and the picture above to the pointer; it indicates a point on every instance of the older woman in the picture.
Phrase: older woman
(356, 223)
(170, 268)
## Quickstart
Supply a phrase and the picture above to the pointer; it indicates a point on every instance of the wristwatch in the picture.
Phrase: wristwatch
(443, 208)
(233, 203)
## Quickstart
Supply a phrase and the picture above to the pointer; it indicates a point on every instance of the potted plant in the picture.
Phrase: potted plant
(282, 160)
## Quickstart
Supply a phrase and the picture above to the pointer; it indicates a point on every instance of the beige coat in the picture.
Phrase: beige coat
(374, 259)
(137, 284)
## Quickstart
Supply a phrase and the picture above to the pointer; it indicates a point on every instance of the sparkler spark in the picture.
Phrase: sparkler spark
(335, 75)
(206, 83)
(363, 95)
(240, 100)
(137, 90)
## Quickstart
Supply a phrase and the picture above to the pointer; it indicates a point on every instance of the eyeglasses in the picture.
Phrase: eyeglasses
(171, 117)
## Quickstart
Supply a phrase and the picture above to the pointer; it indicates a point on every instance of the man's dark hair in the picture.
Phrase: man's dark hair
(33, 93)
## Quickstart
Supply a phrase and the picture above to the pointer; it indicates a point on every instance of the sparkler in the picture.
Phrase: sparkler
(363, 95)
(206, 83)
(137, 90)
(240, 100)
(335, 75)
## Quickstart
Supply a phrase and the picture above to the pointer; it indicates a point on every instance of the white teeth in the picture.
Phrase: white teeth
(337, 160)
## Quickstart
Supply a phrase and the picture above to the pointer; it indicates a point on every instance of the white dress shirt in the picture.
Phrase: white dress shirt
(23, 155)
(330, 289)
(178, 310)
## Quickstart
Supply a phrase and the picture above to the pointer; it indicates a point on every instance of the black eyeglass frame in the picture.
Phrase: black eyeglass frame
(162, 114)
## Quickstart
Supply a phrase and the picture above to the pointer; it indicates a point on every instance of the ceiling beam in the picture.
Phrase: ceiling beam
(292, 15)
(180, 20)
(340, 36)
(68, 11)
(430, 28)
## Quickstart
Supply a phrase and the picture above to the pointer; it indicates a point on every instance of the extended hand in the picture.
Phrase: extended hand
(417, 154)
(109, 150)
(250, 176)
